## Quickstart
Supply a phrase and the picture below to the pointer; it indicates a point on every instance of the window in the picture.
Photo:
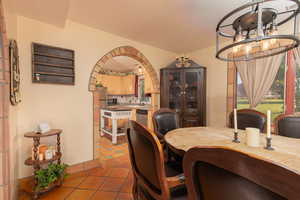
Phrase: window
(275, 98)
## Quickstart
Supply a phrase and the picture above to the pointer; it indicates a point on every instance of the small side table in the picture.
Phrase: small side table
(36, 163)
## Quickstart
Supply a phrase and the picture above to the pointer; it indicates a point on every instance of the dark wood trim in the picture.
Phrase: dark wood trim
(267, 174)
(52, 56)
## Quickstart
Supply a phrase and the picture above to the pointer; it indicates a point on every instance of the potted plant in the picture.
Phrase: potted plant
(53, 175)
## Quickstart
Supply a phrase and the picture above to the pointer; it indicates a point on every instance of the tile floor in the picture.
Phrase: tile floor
(111, 181)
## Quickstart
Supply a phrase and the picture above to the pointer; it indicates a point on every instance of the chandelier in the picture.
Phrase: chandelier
(251, 31)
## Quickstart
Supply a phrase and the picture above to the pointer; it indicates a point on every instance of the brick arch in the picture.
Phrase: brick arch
(120, 51)
(124, 51)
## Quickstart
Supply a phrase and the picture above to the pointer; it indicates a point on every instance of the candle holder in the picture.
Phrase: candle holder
(236, 137)
(269, 144)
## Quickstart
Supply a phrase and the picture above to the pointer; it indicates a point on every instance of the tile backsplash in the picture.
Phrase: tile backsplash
(130, 99)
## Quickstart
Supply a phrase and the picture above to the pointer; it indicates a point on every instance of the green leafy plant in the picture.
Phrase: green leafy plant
(54, 172)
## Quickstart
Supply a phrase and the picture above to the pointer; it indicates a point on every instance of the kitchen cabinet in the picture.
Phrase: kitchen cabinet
(184, 90)
(128, 85)
(112, 83)
(118, 85)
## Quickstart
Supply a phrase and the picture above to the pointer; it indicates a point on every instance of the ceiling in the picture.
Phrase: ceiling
(179, 26)
(121, 64)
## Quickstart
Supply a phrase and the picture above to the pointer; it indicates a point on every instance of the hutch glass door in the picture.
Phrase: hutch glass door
(175, 90)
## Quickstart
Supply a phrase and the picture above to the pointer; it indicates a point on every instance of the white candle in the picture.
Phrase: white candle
(269, 124)
(41, 157)
(252, 137)
(235, 120)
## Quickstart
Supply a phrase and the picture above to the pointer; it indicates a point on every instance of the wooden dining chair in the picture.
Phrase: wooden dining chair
(153, 179)
(219, 173)
(249, 118)
(288, 125)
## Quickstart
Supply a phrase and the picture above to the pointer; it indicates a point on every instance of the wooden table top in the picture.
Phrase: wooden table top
(286, 150)
(47, 134)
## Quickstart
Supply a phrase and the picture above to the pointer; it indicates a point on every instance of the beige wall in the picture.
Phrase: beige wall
(216, 85)
(67, 107)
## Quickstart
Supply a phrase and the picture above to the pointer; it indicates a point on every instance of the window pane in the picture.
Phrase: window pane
(273, 101)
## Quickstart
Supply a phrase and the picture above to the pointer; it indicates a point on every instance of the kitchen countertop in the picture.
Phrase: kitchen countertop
(130, 106)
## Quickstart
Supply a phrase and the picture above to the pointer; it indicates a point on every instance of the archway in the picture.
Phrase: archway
(120, 51)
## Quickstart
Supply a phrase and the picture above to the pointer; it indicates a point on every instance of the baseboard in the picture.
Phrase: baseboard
(83, 166)
(71, 169)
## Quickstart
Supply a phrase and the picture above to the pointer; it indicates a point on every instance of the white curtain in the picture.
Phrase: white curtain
(258, 76)
(296, 52)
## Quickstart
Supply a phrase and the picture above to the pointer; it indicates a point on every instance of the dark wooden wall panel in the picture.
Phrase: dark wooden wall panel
(52, 65)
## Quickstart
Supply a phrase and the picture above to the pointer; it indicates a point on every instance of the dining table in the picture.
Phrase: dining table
(286, 151)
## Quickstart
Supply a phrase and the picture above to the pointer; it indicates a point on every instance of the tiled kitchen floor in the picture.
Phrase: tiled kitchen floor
(111, 181)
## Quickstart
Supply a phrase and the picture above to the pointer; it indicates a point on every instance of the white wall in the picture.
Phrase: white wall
(216, 85)
(67, 107)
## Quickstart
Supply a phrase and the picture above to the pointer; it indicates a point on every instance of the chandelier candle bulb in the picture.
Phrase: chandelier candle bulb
(269, 124)
(252, 137)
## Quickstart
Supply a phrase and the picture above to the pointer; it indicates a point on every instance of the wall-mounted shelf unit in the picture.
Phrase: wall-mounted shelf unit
(52, 65)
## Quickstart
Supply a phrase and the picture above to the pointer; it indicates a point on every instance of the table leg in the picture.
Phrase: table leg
(114, 131)
(36, 166)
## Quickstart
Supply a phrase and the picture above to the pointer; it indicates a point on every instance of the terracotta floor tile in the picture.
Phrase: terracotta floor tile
(127, 186)
(99, 195)
(118, 173)
(124, 196)
(81, 195)
(78, 174)
(73, 181)
(117, 155)
(125, 165)
(24, 196)
(112, 184)
(113, 179)
(99, 172)
(57, 194)
(130, 175)
(112, 163)
(26, 186)
(92, 182)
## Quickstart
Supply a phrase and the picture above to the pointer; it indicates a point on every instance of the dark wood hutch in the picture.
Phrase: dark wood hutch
(183, 89)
